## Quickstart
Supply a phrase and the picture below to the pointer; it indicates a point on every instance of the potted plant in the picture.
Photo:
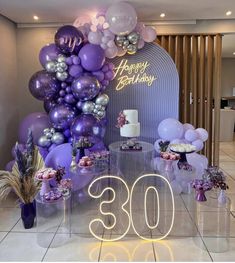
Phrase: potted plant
(22, 181)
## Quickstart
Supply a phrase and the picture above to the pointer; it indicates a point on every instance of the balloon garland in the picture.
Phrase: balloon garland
(76, 73)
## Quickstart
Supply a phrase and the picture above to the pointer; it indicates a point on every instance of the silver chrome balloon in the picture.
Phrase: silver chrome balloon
(59, 69)
(125, 44)
(63, 65)
(88, 107)
(133, 37)
(95, 111)
(102, 99)
(98, 107)
(119, 40)
(52, 130)
(43, 141)
(131, 49)
(101, 114)
(61, 58)
(46, 130)
(50, 66)
(61, 76)
(48, 135)
(57, 138)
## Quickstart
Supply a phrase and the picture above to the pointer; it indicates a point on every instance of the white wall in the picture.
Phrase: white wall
(228, 76)
(8, 89)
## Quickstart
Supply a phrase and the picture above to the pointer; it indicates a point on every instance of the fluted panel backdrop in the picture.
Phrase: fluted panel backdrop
(151, 87)
(198, 60)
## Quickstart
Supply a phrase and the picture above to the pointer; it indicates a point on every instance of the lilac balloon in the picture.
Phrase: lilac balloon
(148, 34)
(121, 18)
(9, 166)
(170, 129)
(188, 126)
(69, 39)
(95, 37)
(141, 43)
(111, 52)
(198, 144)
(92, 57)
(50, 52)
(200, 162)
(203, 134)
(75, 71)
(85, 88)
(43, 85)
(52, 147)
(61, 116)
(109, 75)
(191, 135)
(76, 60)
(86, 125)
(37, 122)
(43, 151)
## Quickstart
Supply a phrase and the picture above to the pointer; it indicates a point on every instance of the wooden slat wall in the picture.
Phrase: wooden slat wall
(198, 60)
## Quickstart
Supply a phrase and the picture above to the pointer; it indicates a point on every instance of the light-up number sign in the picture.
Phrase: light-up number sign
(124, 213)
(132, 73)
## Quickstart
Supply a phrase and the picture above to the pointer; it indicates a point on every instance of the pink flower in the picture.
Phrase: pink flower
(45, 173)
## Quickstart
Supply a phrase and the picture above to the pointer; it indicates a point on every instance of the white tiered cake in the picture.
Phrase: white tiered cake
(132, 128)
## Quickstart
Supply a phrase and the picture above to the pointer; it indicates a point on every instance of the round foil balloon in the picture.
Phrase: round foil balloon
(86, 125)
(48, 53)
(61, 116)
(43, 85)
(92, 57)
(48, 105)
(69, 39)
(121, 18)
(85, 88)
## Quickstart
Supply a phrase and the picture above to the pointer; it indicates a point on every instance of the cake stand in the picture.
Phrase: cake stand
(183, 159)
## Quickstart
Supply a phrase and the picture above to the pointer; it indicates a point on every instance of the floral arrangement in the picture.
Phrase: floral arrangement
(163, 146)
(65, 186)
(201, 184)
(216, 177)
(121, 120)
(99, 155)
(169, 156)
(22, 178)
(60, 172)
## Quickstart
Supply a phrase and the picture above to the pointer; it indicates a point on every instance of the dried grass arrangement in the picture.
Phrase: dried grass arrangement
(22, 180)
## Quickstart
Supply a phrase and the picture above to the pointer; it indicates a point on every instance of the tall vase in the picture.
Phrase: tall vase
(222, 199)
(167, 169)
(73, 164)
(45, 188)
(28, 214)
(200, 195)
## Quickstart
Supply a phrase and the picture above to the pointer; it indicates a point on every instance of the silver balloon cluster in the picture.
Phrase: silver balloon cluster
(49, 137)
(128, 42)
(59, 67)
(98, 107)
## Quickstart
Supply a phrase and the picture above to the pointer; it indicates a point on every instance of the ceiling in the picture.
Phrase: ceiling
(22, 11)
(66, 11)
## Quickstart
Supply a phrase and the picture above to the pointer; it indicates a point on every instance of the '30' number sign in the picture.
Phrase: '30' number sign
(125, 214)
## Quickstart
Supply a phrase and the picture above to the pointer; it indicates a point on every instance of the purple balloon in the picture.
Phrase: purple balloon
(50, 52)
(61, 116)
(75, 71)
(43, 85)
(52, 147)
(69, 98)
(85, 88)
(86, 125)
(79, 105)
(67, 133)
(37, 122)
(98, 74)
(69, 39)
(48, 105)
(43, 151)
(9, 166)
(92, 57)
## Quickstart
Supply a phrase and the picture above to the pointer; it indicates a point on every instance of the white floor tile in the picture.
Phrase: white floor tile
(74, 249)
(20, 228)
(181, 249)
(226, 256)
(131, 250)
(21, 247)
(2, 235)
(8, 218)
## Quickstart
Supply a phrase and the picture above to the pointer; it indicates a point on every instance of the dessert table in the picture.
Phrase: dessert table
(131, 164)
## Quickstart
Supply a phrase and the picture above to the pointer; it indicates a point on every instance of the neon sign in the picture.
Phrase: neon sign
(129, 74)
(128, 215)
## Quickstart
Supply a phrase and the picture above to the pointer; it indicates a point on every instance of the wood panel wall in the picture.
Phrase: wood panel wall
(198, 60)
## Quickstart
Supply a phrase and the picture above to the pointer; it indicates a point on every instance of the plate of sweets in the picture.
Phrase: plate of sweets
(182, 149)
(170, 156)
(86, 163)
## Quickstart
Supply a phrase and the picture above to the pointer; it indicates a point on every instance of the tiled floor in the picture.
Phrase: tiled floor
(18, 244)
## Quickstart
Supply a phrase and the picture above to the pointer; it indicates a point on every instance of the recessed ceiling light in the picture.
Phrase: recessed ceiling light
(35, 17)
(234, 53)
(162, 15)
(228, 13)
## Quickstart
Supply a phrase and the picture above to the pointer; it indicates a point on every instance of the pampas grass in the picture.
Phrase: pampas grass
(25, 186)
